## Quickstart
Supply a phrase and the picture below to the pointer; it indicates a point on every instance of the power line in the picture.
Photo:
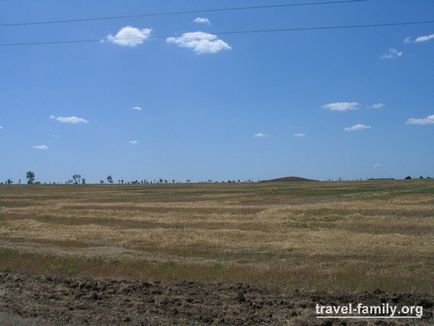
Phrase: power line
(183, 12)
(274, 30)
(295, 29)
(50, 42)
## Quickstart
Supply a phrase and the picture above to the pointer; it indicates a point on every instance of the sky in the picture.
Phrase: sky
(173, 97)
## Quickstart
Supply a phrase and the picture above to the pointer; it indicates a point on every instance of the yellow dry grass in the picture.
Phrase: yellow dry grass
(313, 235)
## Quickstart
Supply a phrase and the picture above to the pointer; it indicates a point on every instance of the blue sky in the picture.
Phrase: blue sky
(353, 103)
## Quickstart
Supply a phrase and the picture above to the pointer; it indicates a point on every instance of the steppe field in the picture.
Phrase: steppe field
(232, 253)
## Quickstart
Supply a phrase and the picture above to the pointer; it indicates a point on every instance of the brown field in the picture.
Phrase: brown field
(343, 237)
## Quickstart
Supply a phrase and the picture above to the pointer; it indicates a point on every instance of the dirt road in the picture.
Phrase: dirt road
(40, 300)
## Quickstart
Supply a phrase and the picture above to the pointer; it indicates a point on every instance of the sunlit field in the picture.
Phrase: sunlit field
(338, 236)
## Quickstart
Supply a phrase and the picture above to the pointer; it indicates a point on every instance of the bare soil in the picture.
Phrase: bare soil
(44, 300)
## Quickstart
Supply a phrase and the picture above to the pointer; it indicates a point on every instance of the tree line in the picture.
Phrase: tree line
(77, 179)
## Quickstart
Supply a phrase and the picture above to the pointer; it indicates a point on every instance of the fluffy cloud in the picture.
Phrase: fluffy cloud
(136, 108)
(429, 120)
(424, 38)
(300, 134)
(341, 106)
(202, 20)
(357, 127)
(130, 36)
(40, 147)
(200, 42)
(71, 120)
(378, 165)
(408, 40)
(391, 53)
(133, 142)
(259, 135)
(377, 106)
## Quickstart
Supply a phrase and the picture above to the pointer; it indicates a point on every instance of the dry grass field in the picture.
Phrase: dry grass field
(338, 236)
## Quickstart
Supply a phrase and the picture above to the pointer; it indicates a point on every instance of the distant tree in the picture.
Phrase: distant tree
(101, 182)
(110, 179)
(421, 177)
(76, 178)
(407, 178)
(83, 181)
(30, 175)
(9, 182)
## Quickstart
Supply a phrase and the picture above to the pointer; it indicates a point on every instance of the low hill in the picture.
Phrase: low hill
(288, 179)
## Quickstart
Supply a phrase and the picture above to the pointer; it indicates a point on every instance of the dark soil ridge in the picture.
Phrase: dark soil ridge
(40, 300)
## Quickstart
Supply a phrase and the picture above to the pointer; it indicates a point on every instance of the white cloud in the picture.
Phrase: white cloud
(408, 40)
(391, 53)
(202, 20)
(130, 36)
(377, 106)
(259, 135)
(136, 108)
(300, 134)
(71, 120)
(133, 142)
(200, 42)
(424, 38)
(429, 120)
(378, 165)
(357, 127)
(341, 106)
(40, 147)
